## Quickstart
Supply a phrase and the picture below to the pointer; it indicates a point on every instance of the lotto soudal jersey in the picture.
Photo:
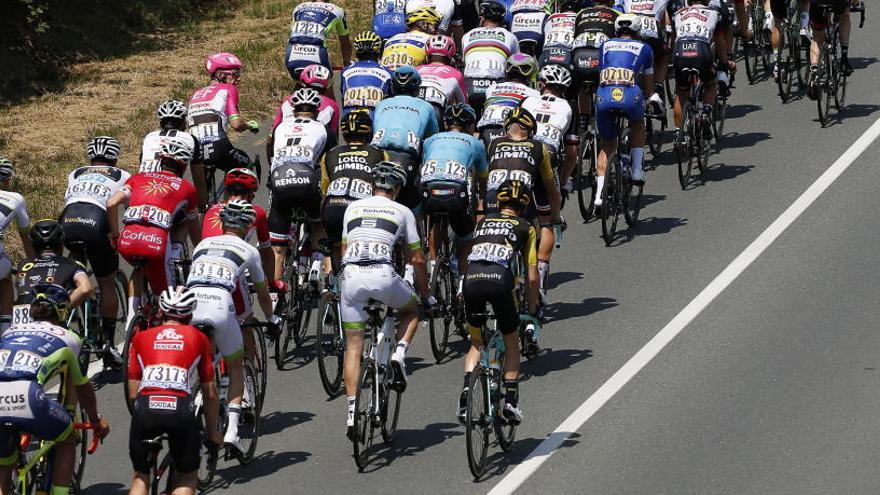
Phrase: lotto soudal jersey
(153, 146)
(364, 84)
(402, 122)
(225, 261)
(527, 161)
(314, 21)
(593, 26)
(47, 268)
(94, 184)
(553, 116)
(500, 98)
(299, 141)
(259, 231)
(210, 110)
(652, 12)
(453, 158)
(405, 49)
(499, 237)
(622, 61)
(38, 351)
(348, 170)
(486, 50)
(695, 23)
(372, 226)
(161, 199)
(165, 360)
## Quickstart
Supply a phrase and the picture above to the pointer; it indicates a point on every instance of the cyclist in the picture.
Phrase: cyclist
(442, 84)
(527, 24)
(37, 352)
(448, 10)
(87, 228)
(627, 67)
(162, 211)
(222, 266)
(389, 18)
(501, 97)
(12, 207)
(371, 228)
(593, 25)
(409, 48)
(214, 108)
(312, 23)
(559, 32)
(320, 79)
(695, 27)
(172, 123)
(485, 50)
(817, 23)
(498, 239)
(453, 160)
(347, 172)
(365, 82)
(652, 30)
(401, 124)
(49, 266)
(163, 366)
(297, 148)
(242, 184)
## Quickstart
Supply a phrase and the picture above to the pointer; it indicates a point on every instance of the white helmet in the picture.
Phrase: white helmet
(628, 22)
(178, 150)
(172, 109)
(555, 75)
(104, 147)
(306, 97)
(177, 302)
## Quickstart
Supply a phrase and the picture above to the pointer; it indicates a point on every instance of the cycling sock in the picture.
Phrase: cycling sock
(467, 380)
(232, 427)
(543, 265)
(511, 394)
(658, 88)
(773, 57)
(351, 400)
(600, 184)
(844, 51)
(638, 155)
(109, 327)
(133, 303)
(400, 351)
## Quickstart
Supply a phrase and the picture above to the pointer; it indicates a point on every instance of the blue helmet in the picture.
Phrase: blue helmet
(405, 80)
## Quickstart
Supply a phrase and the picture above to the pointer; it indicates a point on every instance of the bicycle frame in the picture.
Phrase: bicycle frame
(46, 447)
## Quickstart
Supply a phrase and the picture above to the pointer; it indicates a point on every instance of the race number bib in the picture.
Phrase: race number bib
(494, 115)
(649, 27)
(21, 313)
(87, 188)
(498, 176)
(294, 154)
(213, 273)
(550, 135)
(307, 29)
(166, 377)
(150, 166)
(148, 214)
(617, 76)
(432, 94)
(206, 132)
(491, 252)
(4, 357)
(346, 186)
(367, 251)
(25, 362)
(398, 59)
(590, 40)
(693, 30)
(480, 66)
(560, 37)
(364, 96)
(449, 171)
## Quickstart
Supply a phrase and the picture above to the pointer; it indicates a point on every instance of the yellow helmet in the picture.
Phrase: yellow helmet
(423, 14)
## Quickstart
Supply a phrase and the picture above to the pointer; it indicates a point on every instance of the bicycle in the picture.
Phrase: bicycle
(692, 141)
(585, 168)
(620, 195)
(330, 341)
(757, 49)
(443, 286)
(258, 355)
(377, 405)
(832, 78)
(654, 132)
(158, 469)
(788, 55)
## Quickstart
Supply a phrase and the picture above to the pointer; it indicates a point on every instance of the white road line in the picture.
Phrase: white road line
(589, 407)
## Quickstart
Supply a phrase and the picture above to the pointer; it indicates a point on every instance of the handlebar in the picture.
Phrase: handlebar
(95, 440)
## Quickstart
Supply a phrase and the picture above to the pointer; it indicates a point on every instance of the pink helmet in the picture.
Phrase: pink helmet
(316, 76)
(222, 61)
(441, 45)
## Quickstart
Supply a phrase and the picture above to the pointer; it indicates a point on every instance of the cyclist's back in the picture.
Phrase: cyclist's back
(364, 84)
(312, 23)
(346, 178)
(402, 122)
(527, 161)
(152, 147)
(451, 157)
(210, 110)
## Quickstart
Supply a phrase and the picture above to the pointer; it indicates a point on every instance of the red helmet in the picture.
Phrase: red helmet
(222, 61)
(243, 176)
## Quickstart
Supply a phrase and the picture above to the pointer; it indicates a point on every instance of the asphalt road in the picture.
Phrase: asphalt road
(773, 388)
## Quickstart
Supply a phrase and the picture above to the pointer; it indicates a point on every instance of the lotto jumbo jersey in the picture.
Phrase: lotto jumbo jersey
(348, 170)
(298, 141)
(498, 237)
(593, 26)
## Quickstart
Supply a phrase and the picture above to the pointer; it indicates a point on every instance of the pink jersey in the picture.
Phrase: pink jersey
(442, 85)
(328, 114)
(210, 109)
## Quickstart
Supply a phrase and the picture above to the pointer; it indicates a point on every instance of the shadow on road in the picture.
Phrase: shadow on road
(299, 356)
(859, 110)
(564, 310)
(498, 461)
(550, 360)
(266, 464)
(278, 421)
(723, 172)
(560, 278)
(862, 62)
(106, 489)
(741, 110)
(742, 140)
(650, 199)
(409, 443)
(658, 225)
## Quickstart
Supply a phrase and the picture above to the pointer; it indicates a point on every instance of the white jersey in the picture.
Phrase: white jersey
(94, 184)
(446, 8)
(500, 99)
(225, 261)
(695, 23)
(486, 50)
(559, 31)
(553, 116)
(299, 141)
(153, 146)
(371, 228)
(12, 207)
(652, 12)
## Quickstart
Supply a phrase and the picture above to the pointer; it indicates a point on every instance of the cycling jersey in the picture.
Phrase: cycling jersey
(402, 122)
(446, 9)
(500, 98)
(94, 184)
(527, 161)
(328, 113)
(652, 13)
(299, 141)
(695, 23)
(442, 85)
(528, 21)
(623, 61)
(486, 50)
(453, 158)
(47, 268)
(364, 84)
(389, 17)
(558, 39)
(593, 26)
(695, 27)
(405, 49)
(152, 147)
(347, 176)
(554, 119)
(210, 110)
(12, 207)
(314, 21)
(212, 226)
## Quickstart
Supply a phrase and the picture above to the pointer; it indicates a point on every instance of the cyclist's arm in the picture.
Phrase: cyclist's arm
(82, 290)
(530, 257)
(193, 224)
(258, 278)
(264, 245)
(341, 27)
(198, 177)
(133, 373)
(415, 255)
(120, 198)
(546, 171)
(235, 120)
(23, 221)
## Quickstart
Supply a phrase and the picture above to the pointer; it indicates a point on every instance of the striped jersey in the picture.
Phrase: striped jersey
(486, 50)
(371, 227)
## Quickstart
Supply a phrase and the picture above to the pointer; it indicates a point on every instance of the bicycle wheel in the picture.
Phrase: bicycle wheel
(823, 94)
(438, 325)
(363, 415)
(330, 347)
(654, 131)
(286, 309)
(752, 56)
(120, 285)
(249, 420)
(703, 145)
(611, 199)
(840, 84)
(719, 116)
(633, 203)
(390, 409)
(585, 174)
(784, 63)
(138, 323)
(477, 421)
(505, 432)
(260, 362)
(208, 466)
(81, 453)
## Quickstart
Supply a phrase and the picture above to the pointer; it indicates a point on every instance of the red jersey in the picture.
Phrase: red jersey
(211, 225)
(161, 199)
(164, 359)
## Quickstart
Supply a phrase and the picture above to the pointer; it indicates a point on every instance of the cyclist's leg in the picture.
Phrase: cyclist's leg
(354, 296)
(184, 442)
(9, 452)
(817, 22)
(53, 422)
(279, 226)
(141, 429)
(845, 23)
(507, 317)
(607, 127)
(636, 117)
(153, 244)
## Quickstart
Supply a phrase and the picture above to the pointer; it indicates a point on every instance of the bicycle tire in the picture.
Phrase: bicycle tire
(249, 420)
(654, 133)
(719, 117)
(138, 323)
(438, 325)
(283, 309)
(82, 452)
(207, 469)
(703, 146)
(611, 199)
(505, 433)
(683, 154)
(390, 409)
(633, 199)
(329, 345)
(477, 422)
(784, 64)
(823, 96)
(260, 364)
(840, 84)
(120, 284)
(303, 316)
(586, 183)
(364, 427)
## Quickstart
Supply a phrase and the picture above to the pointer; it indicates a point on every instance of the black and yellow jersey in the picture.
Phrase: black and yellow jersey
(347, 170)
(527, 161)
(499, 236)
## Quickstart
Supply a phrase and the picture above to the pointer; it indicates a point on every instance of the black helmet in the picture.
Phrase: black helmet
(514, 191)
(523, 117)
(493, 10)
(405, 80)
(357, 123)
(460, 114)
(46, 234)
(52, 295)
(388, 175)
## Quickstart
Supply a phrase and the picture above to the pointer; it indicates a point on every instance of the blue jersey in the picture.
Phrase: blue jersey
(622, 61)
(450, 157)
(364, 84)
(389, 18)
(38, 351)
(402, 122)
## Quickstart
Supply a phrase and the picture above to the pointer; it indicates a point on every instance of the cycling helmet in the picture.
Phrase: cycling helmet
(52, 295)
(177, 302)
(172, 109)
(6, 169)
(104, 148)
(523, 117)
(357, 123)
(441, 45)
(423, 14)
(222, 61)
(178, 151)
(46, 234)
(459, 114)
(568, 5)
(316, 76)
(243, 177)
(239, 214)
(492, 10)
(520, 65)
(388, 175)
(555, 75)
(405, 80)
(628, 22)
(367, 44)
(514, 191)
(306, 97)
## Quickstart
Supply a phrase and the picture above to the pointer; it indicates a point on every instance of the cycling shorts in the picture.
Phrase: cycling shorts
(27, 408)
(476, 92)
(410, 196)
(86, 228)
(215, 307)
(154, 415)
(585, 62)
(292, 187)
(150, 246)
(690, 55)
(332, 216)
(490, 283)
(611, 100)
(221, 154)
(555, 55)
(300, 55)
(452, 200)
(817, 20)
(379, 282)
